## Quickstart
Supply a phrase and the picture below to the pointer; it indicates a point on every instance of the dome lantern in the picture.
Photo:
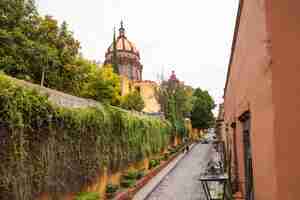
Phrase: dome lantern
(122, 30)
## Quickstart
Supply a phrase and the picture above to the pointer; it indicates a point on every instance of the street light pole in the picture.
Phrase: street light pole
(215, 178)
(44, 68)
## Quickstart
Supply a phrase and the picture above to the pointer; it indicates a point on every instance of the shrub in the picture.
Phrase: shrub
(153, 163)
(88, 196)
(134, 174)
(131, 175)
(111, 188)
(133, 101)
(140, 174)
(166, 156)
(172, 150)
(126, 183)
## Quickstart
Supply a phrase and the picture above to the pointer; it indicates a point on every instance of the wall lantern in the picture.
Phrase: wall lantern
(214, 182)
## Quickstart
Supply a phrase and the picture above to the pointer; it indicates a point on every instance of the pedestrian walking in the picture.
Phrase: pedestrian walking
(187, 148)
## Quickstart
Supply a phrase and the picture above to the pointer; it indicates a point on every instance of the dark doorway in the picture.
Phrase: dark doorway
(235, 183)
(246, 121)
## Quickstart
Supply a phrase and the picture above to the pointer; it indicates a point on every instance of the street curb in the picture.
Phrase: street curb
(177, 162)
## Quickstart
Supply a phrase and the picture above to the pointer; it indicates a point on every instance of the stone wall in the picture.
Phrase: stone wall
(60, 98)
(70, 101)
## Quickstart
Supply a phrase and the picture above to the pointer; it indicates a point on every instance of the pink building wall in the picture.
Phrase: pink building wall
(249, 88)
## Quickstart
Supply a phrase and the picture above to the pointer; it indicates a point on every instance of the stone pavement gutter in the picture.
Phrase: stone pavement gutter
(147, 184)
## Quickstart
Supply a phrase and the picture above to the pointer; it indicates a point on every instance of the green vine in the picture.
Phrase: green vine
(54, 150)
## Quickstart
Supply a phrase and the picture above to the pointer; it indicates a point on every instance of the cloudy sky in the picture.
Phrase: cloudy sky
(192, 37)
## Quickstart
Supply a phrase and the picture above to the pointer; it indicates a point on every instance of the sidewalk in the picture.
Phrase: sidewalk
(155, 181)
(182, 182)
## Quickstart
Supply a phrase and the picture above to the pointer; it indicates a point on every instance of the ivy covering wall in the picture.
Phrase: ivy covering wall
(45, 148)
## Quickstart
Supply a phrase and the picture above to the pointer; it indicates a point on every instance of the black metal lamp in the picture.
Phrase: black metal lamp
(214, 183)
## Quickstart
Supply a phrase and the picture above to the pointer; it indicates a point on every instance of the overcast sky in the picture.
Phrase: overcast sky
(192, 37)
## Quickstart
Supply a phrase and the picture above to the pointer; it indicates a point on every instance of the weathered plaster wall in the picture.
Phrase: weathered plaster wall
(104, 178)
(147, 90)
(125, 85)
(249, 88)
(283, 25)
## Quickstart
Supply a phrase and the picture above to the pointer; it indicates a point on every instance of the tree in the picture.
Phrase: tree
(133, 101)
(203, 104)
(32, 47)
(175, 99)
(17, 22)
(75, 76)
(114, 55)
(31, 44)
(62, 51)
(103, 85)
(176, 103)
(16, 13)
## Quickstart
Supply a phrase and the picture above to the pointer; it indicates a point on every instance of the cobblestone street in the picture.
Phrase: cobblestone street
(182, 182)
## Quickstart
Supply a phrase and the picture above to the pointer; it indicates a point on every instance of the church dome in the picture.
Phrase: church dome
(123, 44)
(126, 55)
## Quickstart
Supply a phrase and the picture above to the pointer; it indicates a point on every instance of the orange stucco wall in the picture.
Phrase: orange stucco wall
(283, 20)
(249, 88)
(264, 79)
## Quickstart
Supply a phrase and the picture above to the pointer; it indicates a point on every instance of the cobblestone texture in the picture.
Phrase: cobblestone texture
(182, 182)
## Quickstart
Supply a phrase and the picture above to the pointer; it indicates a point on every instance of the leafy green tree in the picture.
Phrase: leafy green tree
(133, 101)
(175, 99)
(176, 103)
(16, 13)
(31, 44)
(201, 115)
(33, 48)
(114, 56)
(17, 24)
(75, 76)
(103, 85)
